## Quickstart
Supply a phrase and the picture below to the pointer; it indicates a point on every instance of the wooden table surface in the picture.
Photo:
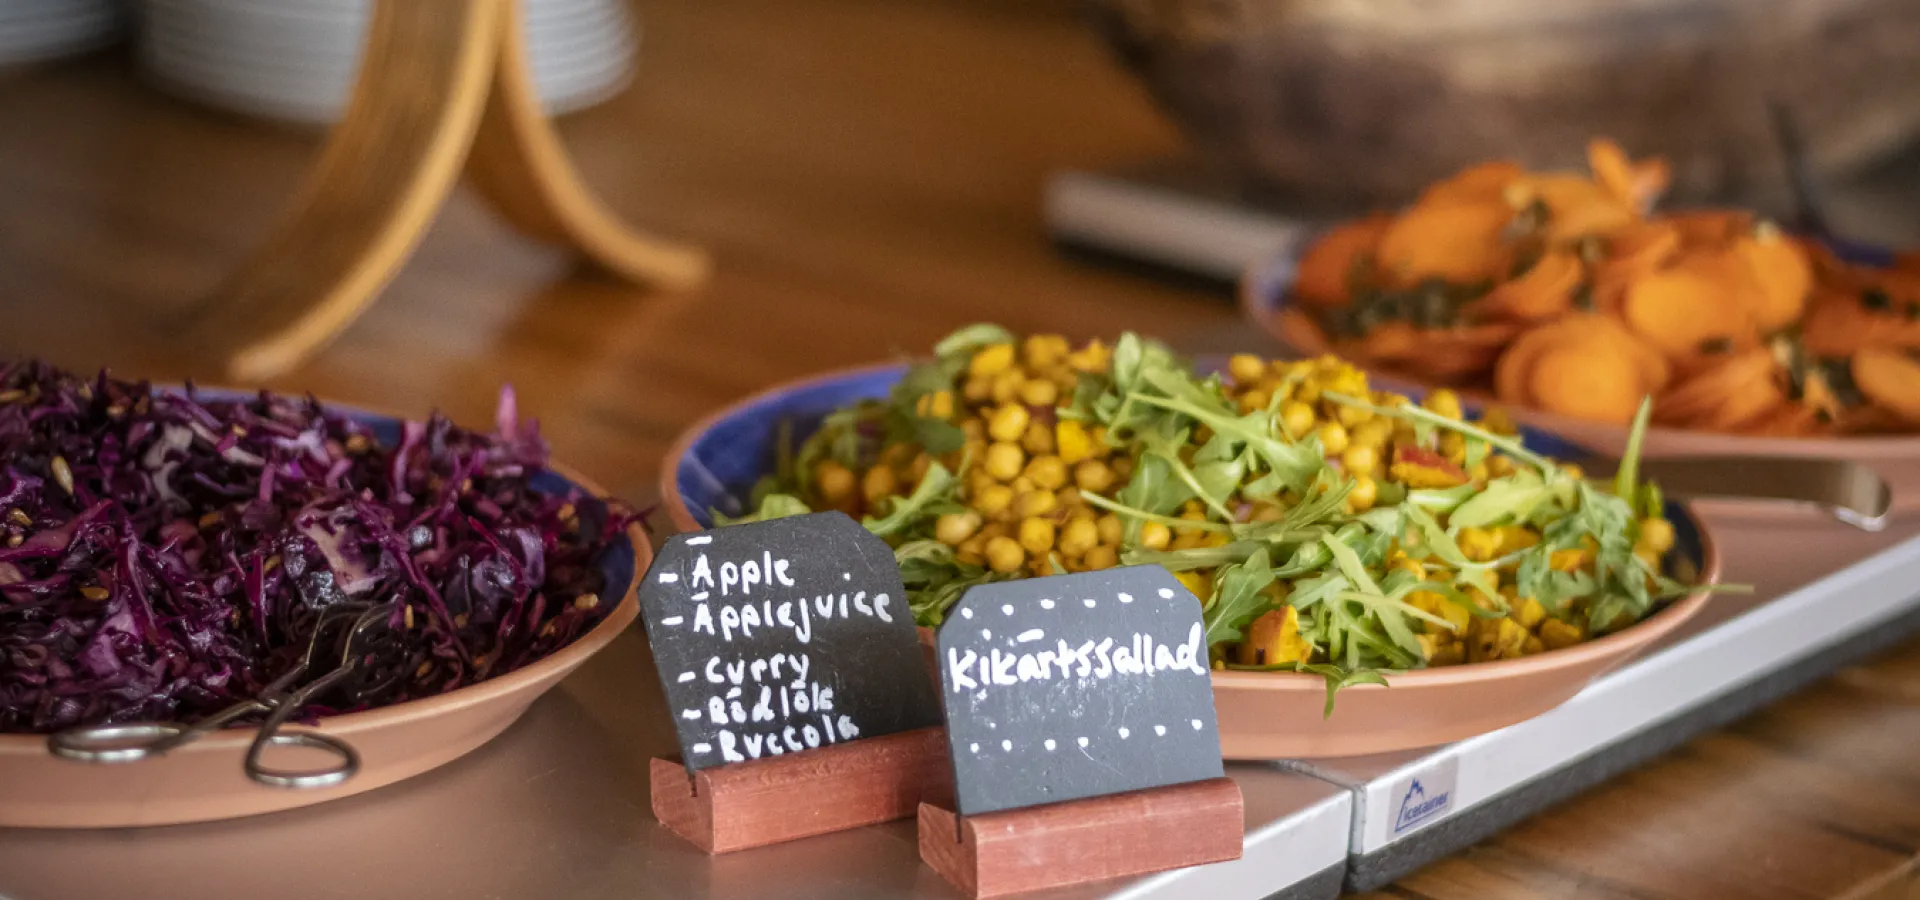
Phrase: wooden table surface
(868, 176)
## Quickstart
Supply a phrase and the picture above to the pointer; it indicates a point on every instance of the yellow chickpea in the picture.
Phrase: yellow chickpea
(1246, 368)
(1071, 440)
(1110, 528)
(1101, 557)
(953, 529)
(1360, 460)
(1008, 423)
(1443, 403)
(835, 481)
(1039, 392)
(1365, 493)
(1047, 472)
(1656, 534)
(1353, 416)
(1093, 476)
(1372, 433)
(994, 500)
(1044, 350)
(1005, 555)
(1155, 536)
(878, 484)
(1254, 400)
(1038, 439)
(1479, 544)
(991, 360)
(1004, 461)
(1333, 438)
(1296, 418)
(1006, 386)
(1036, 536)
(1080, 536)
(1036, 503)
(974, 429)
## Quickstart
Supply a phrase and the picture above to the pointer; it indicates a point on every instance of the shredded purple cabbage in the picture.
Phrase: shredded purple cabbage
(163, 554)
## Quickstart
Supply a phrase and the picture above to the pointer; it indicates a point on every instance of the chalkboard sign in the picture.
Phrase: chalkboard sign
(782, 636)
(1076, 686)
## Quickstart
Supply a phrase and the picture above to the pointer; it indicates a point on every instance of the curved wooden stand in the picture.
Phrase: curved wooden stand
(443, 83)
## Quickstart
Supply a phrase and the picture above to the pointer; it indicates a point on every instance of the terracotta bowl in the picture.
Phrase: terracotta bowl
(1263, 715)
(204, 780)
(1263, 295)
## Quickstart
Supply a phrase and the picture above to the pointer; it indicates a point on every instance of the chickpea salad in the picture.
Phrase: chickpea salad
(1326, 527)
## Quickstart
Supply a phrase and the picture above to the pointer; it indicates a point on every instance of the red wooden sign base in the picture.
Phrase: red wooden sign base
(1084, 840)
(784, 798)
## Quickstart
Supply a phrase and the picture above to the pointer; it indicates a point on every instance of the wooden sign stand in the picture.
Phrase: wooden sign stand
(1084, 840)
(444, 87)
(798, 795)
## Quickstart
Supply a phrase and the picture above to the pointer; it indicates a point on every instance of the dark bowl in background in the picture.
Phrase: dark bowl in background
(1358, 103)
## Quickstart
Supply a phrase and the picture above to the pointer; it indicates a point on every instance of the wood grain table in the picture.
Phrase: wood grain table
(867, 174)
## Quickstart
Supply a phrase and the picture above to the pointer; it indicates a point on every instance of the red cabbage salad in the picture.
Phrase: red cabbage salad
(166, 553)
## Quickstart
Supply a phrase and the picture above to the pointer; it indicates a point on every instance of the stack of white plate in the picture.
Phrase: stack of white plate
(295, 60)
(32, 30)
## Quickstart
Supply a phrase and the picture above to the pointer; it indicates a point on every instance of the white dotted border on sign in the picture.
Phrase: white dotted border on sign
(1082, 742)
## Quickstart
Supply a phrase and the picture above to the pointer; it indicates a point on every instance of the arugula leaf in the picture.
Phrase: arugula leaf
(1629, 472)
(936, 485)
(968, 340)
(1505, 500)
(772, 506)
(1238, 598)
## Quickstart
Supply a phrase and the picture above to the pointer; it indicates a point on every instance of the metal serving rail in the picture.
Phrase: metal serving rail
(557, 806)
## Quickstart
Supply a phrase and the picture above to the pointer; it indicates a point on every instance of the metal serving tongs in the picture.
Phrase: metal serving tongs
(348, 640)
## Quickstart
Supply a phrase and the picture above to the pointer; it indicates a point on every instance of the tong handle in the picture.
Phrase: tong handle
(346, 760)
(134, 742)
(1846, 490)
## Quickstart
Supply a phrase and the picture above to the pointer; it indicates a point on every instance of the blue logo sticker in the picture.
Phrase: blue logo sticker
(1418, 806)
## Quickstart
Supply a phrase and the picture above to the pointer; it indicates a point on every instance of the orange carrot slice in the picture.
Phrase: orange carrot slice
(1639, 248)
(1733, 390)
(1585, 380)
(1891, 379)
(1576, 206)
(1543, 291)
(1782, 276)
(1691, 308)
(1485, 183)
(1710, 227)
(1452, 241)
(1611, 167)
(1326, 269)
(1621, 362)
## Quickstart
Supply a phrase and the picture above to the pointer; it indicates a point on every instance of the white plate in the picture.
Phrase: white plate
(297, 60)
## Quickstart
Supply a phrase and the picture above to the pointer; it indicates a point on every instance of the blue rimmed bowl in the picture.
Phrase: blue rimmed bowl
(1263, 715)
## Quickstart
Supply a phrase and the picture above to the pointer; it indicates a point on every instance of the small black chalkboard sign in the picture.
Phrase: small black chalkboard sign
(1076, 686)
(782, 636)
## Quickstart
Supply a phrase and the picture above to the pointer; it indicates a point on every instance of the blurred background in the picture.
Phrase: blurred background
(900, 166)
